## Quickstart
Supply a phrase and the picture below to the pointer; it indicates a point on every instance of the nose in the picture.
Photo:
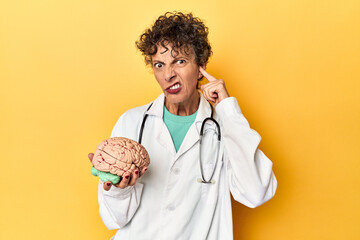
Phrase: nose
(169, 74)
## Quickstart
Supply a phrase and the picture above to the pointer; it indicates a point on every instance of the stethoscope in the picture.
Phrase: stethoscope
(210, 119)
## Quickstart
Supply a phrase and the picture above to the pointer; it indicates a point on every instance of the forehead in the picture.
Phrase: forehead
(167, 51)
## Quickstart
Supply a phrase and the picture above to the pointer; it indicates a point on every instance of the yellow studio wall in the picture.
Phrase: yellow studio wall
(69, 69)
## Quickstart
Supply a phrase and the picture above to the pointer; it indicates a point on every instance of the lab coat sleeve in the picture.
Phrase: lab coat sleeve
(117, 206)
(248, 171)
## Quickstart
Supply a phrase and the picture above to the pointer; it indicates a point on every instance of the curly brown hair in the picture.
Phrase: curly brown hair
(183, 31)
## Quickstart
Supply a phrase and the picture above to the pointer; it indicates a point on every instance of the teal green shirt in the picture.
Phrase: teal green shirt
(178, 126)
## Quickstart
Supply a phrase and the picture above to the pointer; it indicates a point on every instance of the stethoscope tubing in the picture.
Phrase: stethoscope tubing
(201, 136)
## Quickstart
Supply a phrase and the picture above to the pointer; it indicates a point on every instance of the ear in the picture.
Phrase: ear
(203, 65)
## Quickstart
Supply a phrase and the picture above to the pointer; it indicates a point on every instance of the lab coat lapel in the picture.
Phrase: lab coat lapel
(163, 136)
(157, 108)
(191, 138)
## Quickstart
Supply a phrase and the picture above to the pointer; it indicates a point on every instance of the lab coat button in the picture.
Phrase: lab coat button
(176, 171)
(171, 207)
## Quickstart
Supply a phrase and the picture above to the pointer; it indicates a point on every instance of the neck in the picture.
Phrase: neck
(185, 108)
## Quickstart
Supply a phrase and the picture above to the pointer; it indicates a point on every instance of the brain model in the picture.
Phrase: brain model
(115, 156)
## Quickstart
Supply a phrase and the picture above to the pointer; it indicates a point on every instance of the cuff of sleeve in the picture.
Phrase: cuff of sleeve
(115, 191)
(228, 106)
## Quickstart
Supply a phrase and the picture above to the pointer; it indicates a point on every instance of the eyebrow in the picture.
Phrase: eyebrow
(175, 59)
(157, 61)
(181, 57)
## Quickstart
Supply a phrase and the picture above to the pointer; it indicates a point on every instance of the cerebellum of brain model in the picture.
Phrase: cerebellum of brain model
(115, 156)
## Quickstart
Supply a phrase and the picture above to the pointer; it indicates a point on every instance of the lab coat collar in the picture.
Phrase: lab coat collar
(204, 110)
(157, 108)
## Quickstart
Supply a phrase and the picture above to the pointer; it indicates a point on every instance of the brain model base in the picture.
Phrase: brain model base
(115, 156)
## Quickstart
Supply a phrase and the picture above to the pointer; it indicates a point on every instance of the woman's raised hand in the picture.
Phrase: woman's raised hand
(128, 178)
(215, 90)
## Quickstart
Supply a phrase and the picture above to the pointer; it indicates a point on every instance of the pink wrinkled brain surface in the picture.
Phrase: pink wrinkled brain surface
(118, 155)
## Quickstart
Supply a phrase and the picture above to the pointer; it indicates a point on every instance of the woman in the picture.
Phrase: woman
(171, 201)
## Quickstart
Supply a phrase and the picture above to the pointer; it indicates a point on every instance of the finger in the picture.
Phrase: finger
(207, 75)
(217, 90)
(214, 95)
(143, 171)
(118, 184)
(207, 92)
(203, 87)
(208, 97)
(125, 181)
(134, 178)
(216, 83)
(215, 87)
(107, 185)
(212, 90)
(90, 156)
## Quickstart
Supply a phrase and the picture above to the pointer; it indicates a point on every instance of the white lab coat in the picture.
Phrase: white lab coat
(168, 202)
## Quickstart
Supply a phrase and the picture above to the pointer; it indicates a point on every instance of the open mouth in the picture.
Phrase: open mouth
(175, 88)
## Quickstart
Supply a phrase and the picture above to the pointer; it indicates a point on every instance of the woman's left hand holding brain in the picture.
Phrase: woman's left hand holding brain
(214, 91)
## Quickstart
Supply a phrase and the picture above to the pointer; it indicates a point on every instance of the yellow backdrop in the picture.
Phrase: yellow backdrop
(69, 69)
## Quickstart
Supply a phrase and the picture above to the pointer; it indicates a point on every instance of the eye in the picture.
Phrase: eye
(158, 65)
(181, 61)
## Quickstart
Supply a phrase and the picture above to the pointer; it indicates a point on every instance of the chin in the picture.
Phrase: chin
(174, 99)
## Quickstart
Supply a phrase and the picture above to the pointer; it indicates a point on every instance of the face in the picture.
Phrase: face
(177, 75)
